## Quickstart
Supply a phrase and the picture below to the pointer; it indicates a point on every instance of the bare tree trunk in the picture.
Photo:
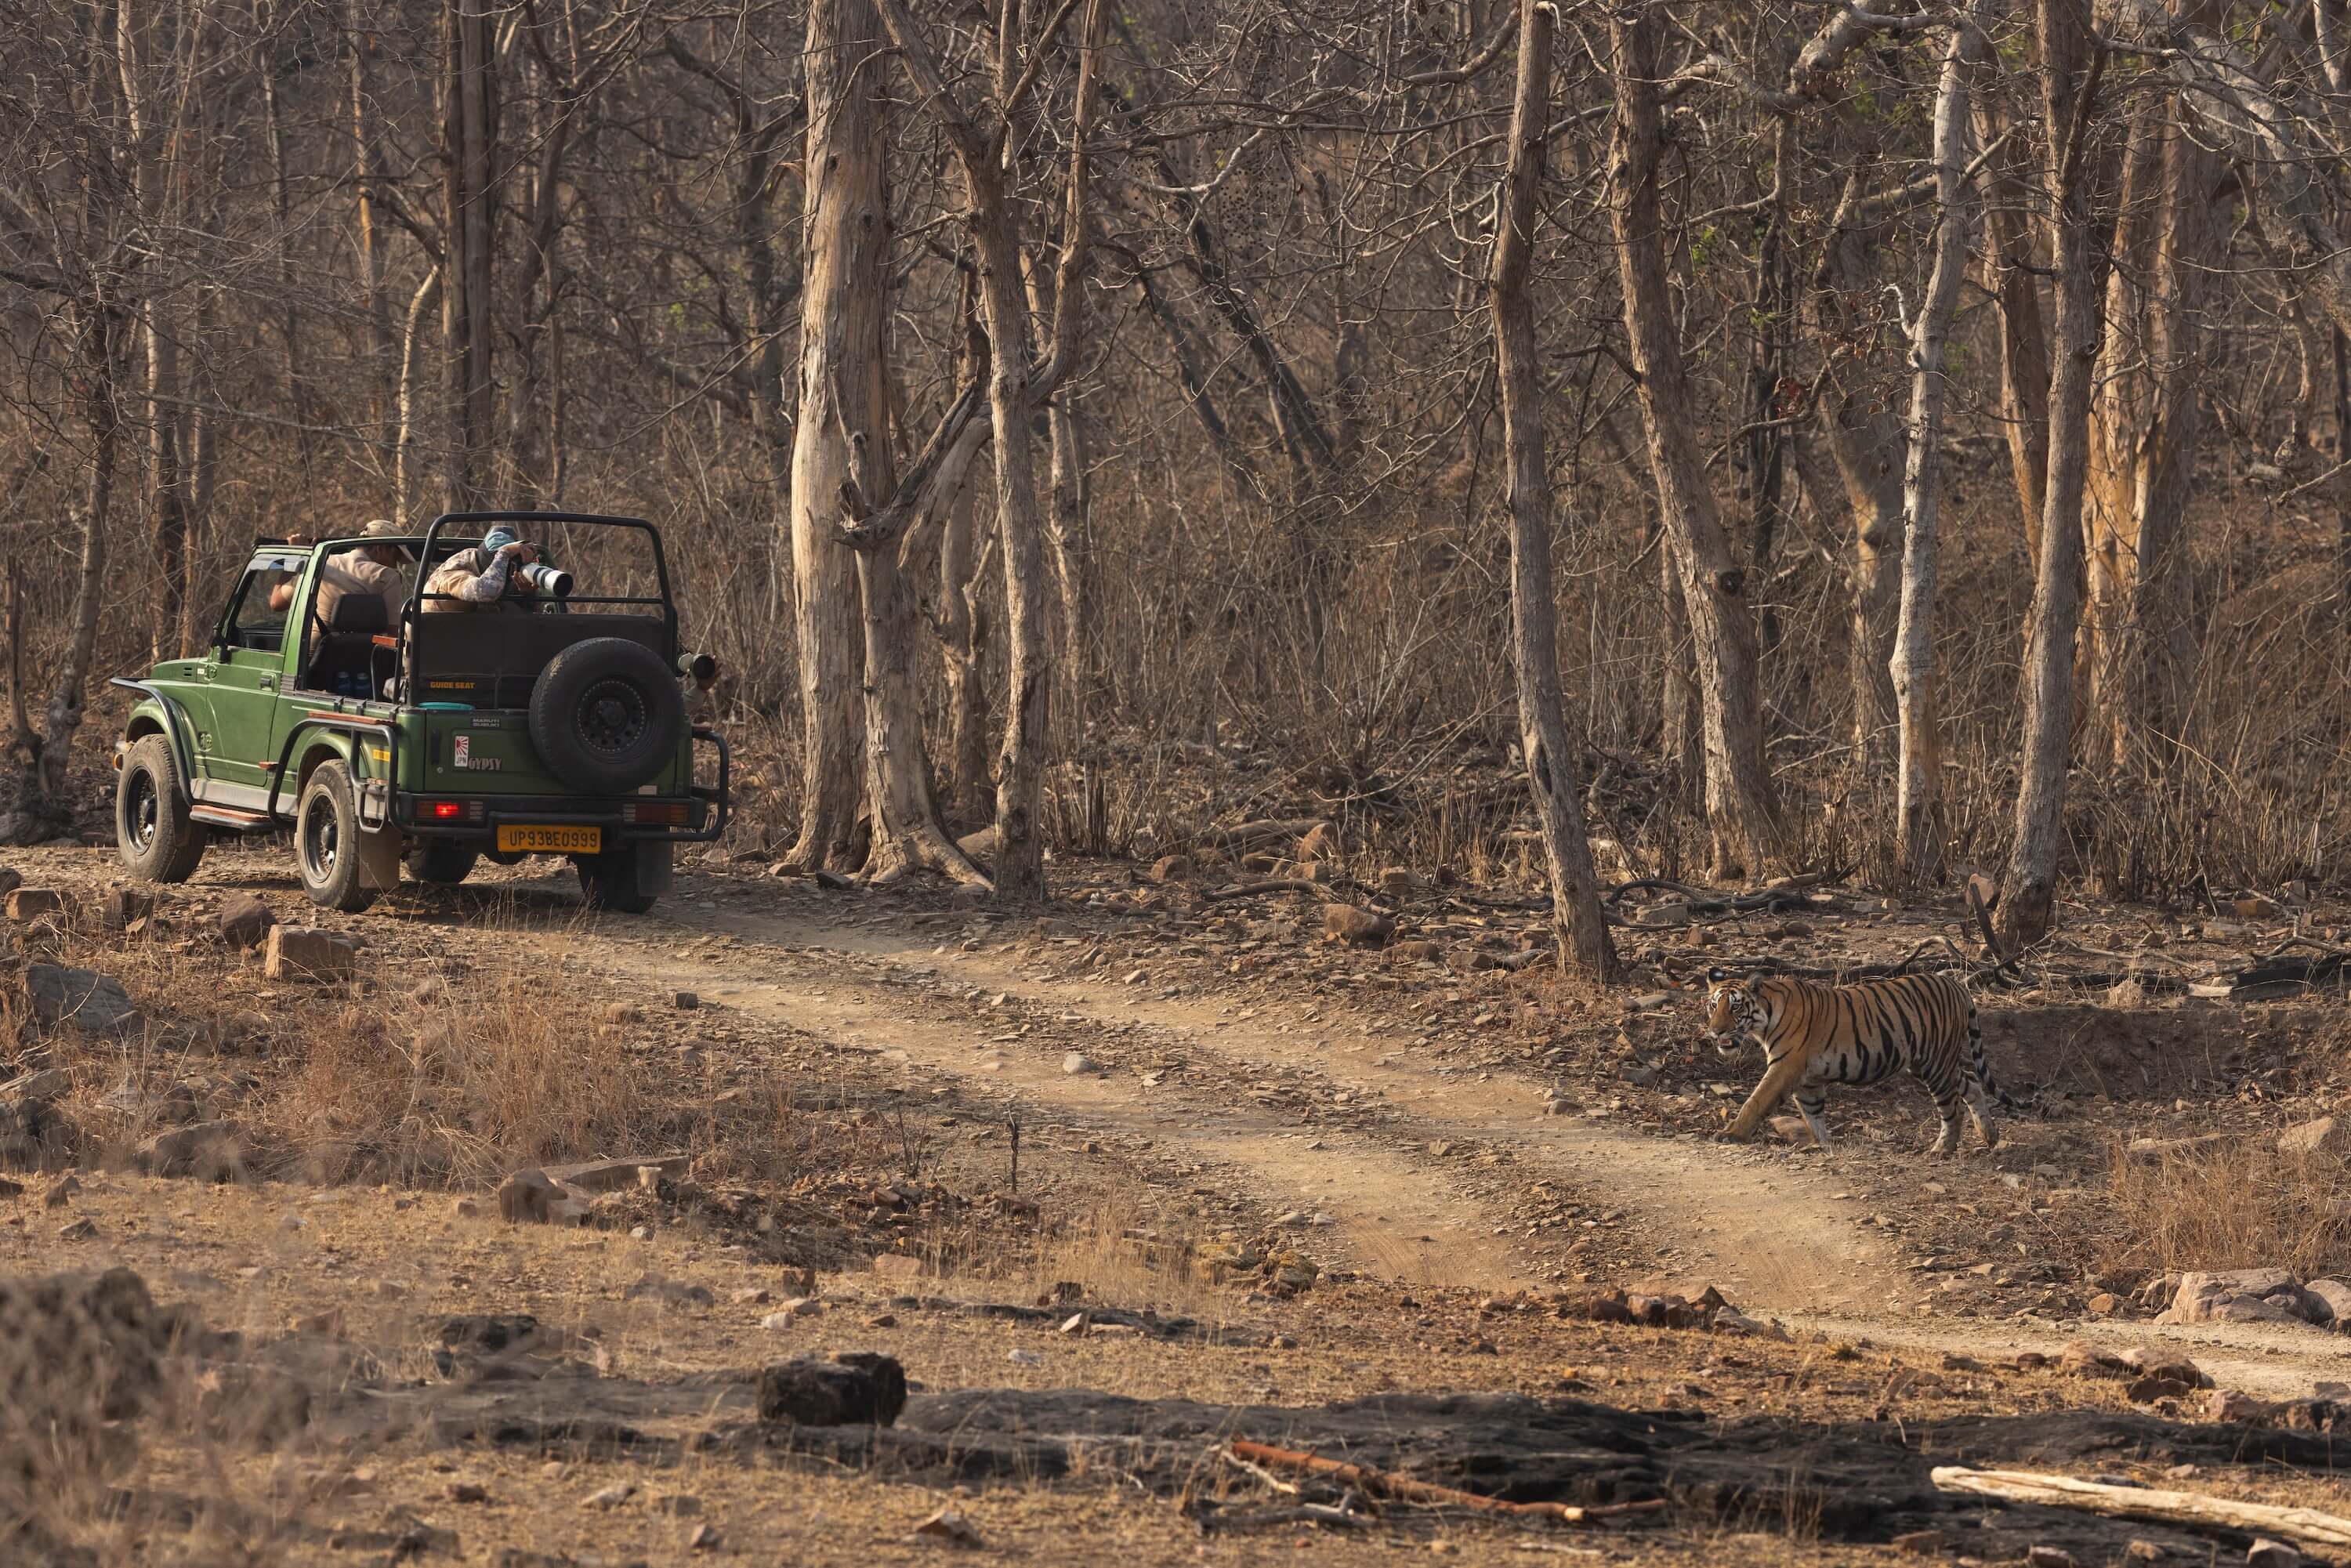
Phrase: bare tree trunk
(1739, 798)
(1865, 439)
(962, 623)
(1576, 920)
(403, 445)
(1917, 829)
(366, 168)
(2148, 424)
(2071, 66)
(469, 306)
(845, 239)
(2024, 331)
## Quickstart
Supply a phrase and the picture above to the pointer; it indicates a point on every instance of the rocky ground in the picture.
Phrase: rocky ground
(462, 1229)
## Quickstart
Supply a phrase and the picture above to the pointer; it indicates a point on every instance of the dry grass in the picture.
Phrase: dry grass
(2242, 1204)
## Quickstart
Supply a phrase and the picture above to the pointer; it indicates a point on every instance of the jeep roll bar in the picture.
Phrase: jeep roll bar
(660, 562)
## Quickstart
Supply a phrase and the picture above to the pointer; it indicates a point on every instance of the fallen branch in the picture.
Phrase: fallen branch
(1704, 900)
(2146, 1503)
(1281, 884)
(1404, 1489)
(1242, 834)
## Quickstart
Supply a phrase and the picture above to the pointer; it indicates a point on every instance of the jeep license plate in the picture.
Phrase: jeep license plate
(550, 839)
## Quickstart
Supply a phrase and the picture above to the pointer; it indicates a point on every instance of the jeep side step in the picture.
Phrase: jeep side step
(226, 817)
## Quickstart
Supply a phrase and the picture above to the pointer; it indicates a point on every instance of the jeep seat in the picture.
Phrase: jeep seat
(347, 644)
(493, 661)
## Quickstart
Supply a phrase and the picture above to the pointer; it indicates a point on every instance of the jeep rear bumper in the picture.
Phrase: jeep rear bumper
(696, 817)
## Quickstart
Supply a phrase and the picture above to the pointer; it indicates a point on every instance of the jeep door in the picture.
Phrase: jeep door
(237, 686)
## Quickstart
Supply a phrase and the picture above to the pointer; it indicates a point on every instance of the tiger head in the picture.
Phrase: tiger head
(1733, 1011)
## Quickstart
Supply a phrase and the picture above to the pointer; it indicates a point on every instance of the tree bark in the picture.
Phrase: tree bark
(2071, 69)
(961, 625)
(403, 443)
(469, 305)
(1580, 929)
(1917, 828)
(1740, 812)
(2023, 327)
(846, 240)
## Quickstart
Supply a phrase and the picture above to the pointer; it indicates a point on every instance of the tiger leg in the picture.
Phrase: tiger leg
(1778, 1079)
(1812, 1106)
(1979, 1111)
(1947, 1103)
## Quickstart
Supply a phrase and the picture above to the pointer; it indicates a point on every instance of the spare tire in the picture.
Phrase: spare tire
(607, 716)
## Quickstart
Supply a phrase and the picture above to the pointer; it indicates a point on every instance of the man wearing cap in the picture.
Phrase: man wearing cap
(366, 569)
(477, 579)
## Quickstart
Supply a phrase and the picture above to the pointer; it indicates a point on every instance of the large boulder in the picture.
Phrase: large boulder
(2326, 1135)
(2232, 1296)
(305, 952)
(855, 1389)
(244, 922)
(208, 1151)
(82, 999)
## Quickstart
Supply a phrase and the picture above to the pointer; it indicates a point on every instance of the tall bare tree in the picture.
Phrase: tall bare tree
(1581, 928)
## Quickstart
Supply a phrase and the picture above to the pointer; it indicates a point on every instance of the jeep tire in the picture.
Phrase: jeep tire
(327, 841)
(441, 863)
(152, 830)
(607, 716)
(611, 882)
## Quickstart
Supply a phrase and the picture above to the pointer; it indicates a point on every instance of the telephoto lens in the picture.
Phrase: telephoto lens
(548, 578)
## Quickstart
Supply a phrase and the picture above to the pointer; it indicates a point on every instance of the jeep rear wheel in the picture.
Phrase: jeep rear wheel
(609, 882)
(152, 830)
(327, 841)
(606, 716)
(443, 862)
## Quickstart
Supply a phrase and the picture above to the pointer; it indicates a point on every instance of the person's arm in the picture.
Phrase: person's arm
(282, 595)
(490, 586)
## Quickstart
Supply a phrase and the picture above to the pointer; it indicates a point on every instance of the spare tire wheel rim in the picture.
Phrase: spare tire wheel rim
(321, 838)
(612, 718)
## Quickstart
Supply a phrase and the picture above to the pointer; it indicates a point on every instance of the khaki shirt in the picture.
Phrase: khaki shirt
(352, 572)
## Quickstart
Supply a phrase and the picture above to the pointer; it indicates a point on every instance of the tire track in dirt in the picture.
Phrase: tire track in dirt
(1771, 1232)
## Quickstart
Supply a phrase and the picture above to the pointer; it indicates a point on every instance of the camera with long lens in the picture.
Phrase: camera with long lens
(545, 579)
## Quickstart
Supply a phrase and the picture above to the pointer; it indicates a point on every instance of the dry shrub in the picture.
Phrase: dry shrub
(1121, 1259)
(2235, 1205)
(465, 1088)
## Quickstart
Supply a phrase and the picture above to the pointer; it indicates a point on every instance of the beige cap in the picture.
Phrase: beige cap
(379, 527)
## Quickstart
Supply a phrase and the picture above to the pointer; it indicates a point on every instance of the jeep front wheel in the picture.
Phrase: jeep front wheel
(152, 830)
(327, 841)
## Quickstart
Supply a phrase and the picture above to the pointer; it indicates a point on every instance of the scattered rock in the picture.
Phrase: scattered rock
(2104, 1304)
(308, 953)
(2335, 1295)
(703, 1538)
(612, 1496)
(669, 1292)
(2050, 1557)
(948, 1527)
(1419, 951)
(2232, 1405)
(1356, 927)
(127, 907)
(1077, 1062)
(614, 1175)
(245, 924)
(2234, 1295)
(77, 1231)
(2253, 906)
(87, 1000)
(1923, 1542)
(2326, 1135)
(1396, 882)
(39, 903)
(897, 1266)
(1075, 1323)
(468, 1492)
(528, 1198)
(208, 1151)
(1319, 842)
(686, 1001)
(39, 1088)
(855, 1389)
(2263, 1553)
(60, 1192)
(2144, 1551)
(1172, 868)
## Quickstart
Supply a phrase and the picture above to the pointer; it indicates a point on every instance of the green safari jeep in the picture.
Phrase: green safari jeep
(546, 723)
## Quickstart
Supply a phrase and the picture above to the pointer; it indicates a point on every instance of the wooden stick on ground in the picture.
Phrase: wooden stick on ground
(1404, 1489)
(2183, 1507)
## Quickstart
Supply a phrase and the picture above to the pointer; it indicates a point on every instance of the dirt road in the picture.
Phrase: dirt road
(1362, 1133)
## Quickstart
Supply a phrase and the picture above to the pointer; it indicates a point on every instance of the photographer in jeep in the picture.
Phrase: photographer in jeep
(501, 573)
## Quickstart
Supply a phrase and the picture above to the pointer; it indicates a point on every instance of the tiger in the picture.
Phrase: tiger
(1814, 1035)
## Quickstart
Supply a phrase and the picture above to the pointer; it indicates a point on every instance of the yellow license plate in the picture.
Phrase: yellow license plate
(550, 840)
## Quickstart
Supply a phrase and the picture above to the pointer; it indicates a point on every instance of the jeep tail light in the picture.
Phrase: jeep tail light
(654, 813)
(451, 811)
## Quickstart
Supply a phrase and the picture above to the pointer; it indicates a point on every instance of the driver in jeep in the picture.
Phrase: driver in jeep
(484, 578)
